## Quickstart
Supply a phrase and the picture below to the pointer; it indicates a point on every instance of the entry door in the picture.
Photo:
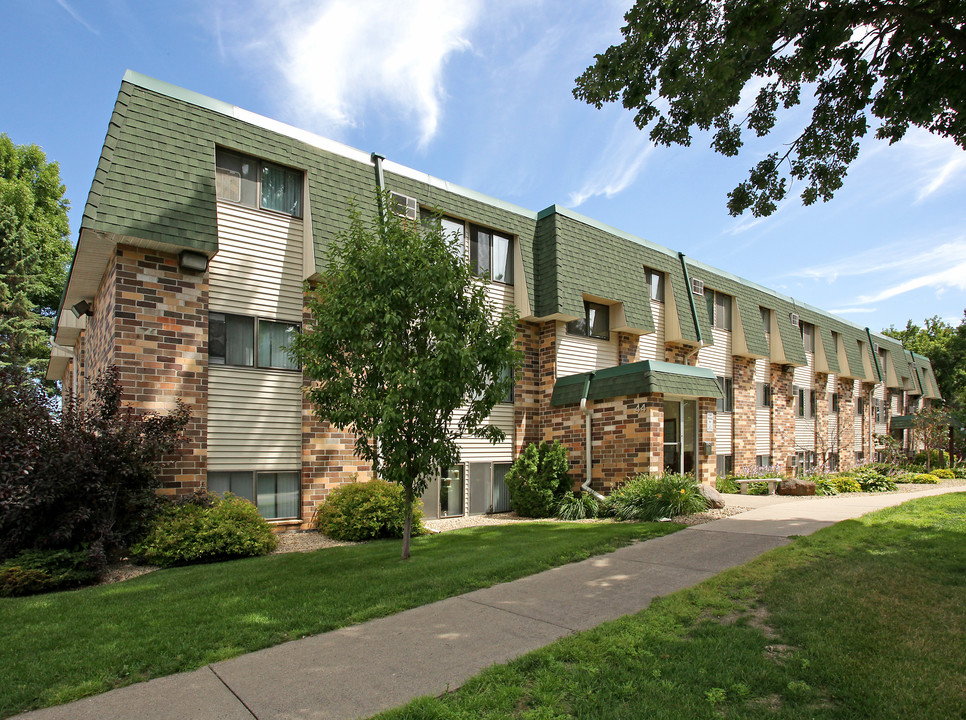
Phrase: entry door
(680, 436)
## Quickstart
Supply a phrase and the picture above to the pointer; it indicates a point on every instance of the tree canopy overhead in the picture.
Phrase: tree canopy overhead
(35, 251)
(405, 350)
(684, 63)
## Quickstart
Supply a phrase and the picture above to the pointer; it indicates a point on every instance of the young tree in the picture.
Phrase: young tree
(685, 64)
(404, 349)
(932, 427)
(35, 251)
(945, 346)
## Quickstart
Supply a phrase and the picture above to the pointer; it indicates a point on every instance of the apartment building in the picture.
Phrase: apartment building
(204, 219)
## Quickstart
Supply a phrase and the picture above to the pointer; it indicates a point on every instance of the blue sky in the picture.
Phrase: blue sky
(480, 94)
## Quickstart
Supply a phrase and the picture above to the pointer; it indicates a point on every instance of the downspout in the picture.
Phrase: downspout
(380, 183)
(587, 441)
(73, 356)
(694, 309)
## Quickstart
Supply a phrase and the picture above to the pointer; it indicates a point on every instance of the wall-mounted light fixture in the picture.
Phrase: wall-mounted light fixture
(82, 308)
(193, 261)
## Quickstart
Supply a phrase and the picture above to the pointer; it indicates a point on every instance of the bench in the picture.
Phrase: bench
(745, 482)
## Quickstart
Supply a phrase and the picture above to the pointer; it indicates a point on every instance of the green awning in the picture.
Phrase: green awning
(901, 422)
(640, 378)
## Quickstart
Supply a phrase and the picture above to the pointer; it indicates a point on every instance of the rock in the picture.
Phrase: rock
(795, 486)
(714, 498)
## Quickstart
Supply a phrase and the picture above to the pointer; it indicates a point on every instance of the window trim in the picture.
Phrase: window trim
(474, 230)
(256, 321)
(650, 274)
(254, 494)
(727, 403)
(588, 329)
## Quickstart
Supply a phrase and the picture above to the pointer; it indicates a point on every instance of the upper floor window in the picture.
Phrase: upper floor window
(726, 403)
(257, 183)
(765, 319)
(763, 395)
(491, 254)
(453, 230)
(808, 336)
(595, 323)
(655, 284)
(860, 406)
(232, 341)
(719, 309)
(805, 407)
(834, 403)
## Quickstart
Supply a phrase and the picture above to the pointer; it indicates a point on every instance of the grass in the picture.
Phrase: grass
(59, 647)
(865, 619)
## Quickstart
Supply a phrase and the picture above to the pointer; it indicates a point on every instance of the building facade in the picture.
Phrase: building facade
(204, 220)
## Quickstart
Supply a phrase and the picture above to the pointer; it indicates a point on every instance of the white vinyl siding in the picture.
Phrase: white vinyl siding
(722, 433)
(577, 354)
(857, 423)
(499, 297)
(254, 419)
(651, 346)
(717, 357)
(258, 268)
(762, 414)
(833, 417)
(479, 450)
(804, 377)
(879, 395)
(255, 414)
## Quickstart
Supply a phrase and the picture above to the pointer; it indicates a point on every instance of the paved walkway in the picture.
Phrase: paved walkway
(360, 670)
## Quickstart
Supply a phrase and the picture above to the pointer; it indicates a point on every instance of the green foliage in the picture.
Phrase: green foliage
(366, 510)
(945, 346)
(826, 485)
(683, 65)
(205, 528)
(944, 473)
(645, 497)
(35, 251)
(759, 487)
(847, 484)
(401, 338)
(870, 479)
(727, 485)
(538, 479)
(925, 479)
(933, 458)
(39, 571)
(577, 506)
(83, 477)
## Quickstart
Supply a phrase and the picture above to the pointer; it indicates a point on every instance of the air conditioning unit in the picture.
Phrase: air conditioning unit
(794, 318)
(697, 286)
(405, 206)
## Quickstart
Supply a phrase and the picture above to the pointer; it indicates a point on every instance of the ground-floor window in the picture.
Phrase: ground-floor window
(763, 460)
(276, 494)
(444, 496)
(805, 462)
(833, 462)
(680, 436)
(726, 465)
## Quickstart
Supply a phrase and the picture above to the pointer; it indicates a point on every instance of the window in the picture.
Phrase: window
(765, 319)
(763, 460)
(808, 336)
(510, 395)
(726, 464)
(719, 309)
(275, 494)
(595, 323)
(860, 406)
(231, 341)
(806, 403)
(833, 462)
(763, 394)
(834, 403)
(727, 403)
(655, 284)
(258, 184)
(491, 254)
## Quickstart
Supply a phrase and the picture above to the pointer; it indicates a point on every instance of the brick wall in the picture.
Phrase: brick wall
(782, 418)
(845, 388)
(822, 448)
(743, 416)
(628, 350)
(529, 390)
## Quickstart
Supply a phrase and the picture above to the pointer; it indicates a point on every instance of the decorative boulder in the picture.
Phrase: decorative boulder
(714, 498)
(795, 486)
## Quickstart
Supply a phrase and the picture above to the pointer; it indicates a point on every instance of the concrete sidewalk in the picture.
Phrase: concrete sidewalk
(360, 670)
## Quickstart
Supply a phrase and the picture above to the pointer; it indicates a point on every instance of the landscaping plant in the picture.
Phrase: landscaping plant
(871, 480)
(360, 511)
(645, 497)
(577, 506)
(39, 571)
(538, 479)
(205, 528)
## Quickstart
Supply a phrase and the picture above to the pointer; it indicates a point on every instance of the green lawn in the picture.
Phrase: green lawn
(865, 619)
(63, 646)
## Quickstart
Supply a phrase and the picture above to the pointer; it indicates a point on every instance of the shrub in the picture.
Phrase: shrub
(925, 478)
(205, 528)
(871, 480)
(936, 458)
(758, 488)
(38, 571)
(944, 473)
(847, 484)
(825, 485)
(577, 506)
(83, 476)
(727, 485)
(645, 497)
(538, 479)
(366, 510)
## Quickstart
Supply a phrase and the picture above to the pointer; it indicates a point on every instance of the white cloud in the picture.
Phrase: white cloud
(846, 311)
(903, 258)
(341, 60)
(74, 14)
(618, 165)
(950, 277)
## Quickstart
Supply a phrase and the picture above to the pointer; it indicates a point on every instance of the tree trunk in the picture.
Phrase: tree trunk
(408, 527)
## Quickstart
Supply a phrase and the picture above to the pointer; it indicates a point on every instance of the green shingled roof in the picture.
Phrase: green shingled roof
(640, 378)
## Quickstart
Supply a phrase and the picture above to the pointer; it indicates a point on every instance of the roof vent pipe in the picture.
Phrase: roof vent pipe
(587, 439)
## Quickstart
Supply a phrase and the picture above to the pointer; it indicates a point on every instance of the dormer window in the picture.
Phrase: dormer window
(595, 323)
(256, 183)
